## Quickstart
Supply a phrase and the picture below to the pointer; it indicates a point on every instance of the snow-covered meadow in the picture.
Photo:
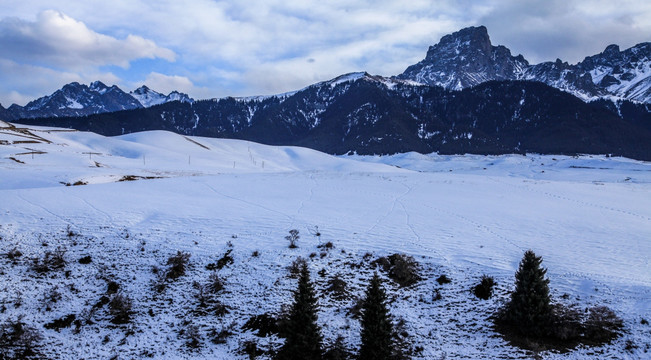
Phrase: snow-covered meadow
(589, 217)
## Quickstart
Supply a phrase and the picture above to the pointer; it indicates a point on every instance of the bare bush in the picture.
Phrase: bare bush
(192, 335)
(18, 340)
(14, 254)
(401, 268)
(293, 238)
(219, 337)
(215, 283)
(602, 324)
(51, 297)
(120, 307)
(337, 287)
(52, 260)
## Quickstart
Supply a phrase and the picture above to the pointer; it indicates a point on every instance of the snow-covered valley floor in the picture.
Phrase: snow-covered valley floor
(589, 217)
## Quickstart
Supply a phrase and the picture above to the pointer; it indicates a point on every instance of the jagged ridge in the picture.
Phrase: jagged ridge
(467, 58)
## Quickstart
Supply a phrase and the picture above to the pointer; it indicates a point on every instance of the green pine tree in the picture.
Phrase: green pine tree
(377, 329)
(529, 309)
(303, 334)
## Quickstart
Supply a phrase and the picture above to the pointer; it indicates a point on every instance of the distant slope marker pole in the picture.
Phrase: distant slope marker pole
(90, 154)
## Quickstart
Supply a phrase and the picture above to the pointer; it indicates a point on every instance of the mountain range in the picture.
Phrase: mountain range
(467, 58)
(466, 96)
(76, 99)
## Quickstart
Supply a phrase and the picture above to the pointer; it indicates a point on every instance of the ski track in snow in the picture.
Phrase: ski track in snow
(249, 203)
(562, 197)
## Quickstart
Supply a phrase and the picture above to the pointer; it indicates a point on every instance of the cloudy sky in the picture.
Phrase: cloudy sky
(210, 48)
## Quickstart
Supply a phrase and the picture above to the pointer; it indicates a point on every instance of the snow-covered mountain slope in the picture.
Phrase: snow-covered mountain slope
(467, 58)
(625, 74)
(90, 158)
(462, 216)
(148, 97)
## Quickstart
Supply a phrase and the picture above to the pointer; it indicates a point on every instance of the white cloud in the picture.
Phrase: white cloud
(543, 30)
(166, 83)
(228, 47)
(60, 41)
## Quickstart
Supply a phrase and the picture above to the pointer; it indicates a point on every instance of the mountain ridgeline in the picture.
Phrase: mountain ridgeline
(373, 115)
(466, 96)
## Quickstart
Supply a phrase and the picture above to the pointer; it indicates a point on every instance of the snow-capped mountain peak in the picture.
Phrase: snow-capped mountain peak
(467, 58)
(148, 97)
(463, 59)
(99, 87)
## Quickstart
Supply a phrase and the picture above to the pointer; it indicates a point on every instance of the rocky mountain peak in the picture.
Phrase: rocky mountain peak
(469, 39)
(611, 50)
(98, 86)
(465, 58)
(142, 90)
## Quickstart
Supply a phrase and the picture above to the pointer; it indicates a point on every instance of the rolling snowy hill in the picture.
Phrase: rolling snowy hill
(462, 216)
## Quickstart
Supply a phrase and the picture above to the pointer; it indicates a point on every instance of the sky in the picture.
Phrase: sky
(209, 48)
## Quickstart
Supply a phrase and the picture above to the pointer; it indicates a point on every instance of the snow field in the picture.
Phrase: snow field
(588, 217)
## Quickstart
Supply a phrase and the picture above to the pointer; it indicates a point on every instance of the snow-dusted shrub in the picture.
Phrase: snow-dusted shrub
(60, 323)
(329, 245)
(159, 283)
(484, 290)
(14, 254)
(602, 324)
(443, 279)
(51, 297)
(112, 287)
(191, 333)
(219, 337)
(19, 340)
(177, 264)
(264, 324)
(225, 260)
(401, 268)
(215, 283)
(52, 260)
(120, 307)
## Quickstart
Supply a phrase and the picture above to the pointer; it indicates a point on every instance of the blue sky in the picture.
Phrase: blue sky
(210, 48)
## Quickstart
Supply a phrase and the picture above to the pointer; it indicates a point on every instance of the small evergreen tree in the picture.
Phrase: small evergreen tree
(529, 309)
(302, 333)
(377, 329)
